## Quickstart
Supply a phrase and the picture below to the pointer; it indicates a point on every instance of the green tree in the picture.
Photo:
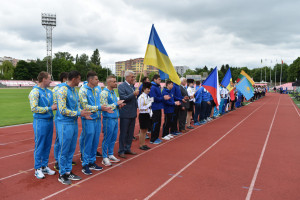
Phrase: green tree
(7, 70)
(150, 76)
(294, 70)
(95, 58)
(21, 71)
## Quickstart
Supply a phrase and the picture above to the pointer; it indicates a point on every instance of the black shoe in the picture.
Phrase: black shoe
(73, 163)
(64, 179)
(94, 166)
(56, 166)
(143, 148)
(86, 170)
(190, 127)
(147, 147)
(134, 138)
(122, 155)
(99, 155)
(73, 177)
(130, 152)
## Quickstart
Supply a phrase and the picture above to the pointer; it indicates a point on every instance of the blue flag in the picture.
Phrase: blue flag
(245, 88)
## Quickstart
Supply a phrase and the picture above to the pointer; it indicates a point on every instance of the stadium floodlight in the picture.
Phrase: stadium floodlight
(49, 22)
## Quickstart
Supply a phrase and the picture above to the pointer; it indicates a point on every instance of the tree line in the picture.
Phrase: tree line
(290, 73)
(65, 62)
(61, 62)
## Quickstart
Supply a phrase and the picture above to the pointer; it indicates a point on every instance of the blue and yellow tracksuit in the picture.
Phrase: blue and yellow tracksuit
(110, 122)
(56, 144)
(41, 100)
(67, 126)
(89, 138)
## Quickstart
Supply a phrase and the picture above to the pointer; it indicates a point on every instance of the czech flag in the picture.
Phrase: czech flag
(157, 56)
(227, 80)
(211, 84)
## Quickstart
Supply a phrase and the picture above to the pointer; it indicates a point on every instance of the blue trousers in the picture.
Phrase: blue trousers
(67, 135)
(89, 140)
(197, 112)
(126, 134)
(224, 106)
(43, 132)
(221, 106)
(110, 130)
(56, 144)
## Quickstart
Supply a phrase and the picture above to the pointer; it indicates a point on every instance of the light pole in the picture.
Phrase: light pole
(49, 22)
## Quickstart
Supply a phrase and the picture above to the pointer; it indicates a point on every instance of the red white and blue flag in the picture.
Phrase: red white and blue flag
(211, 84)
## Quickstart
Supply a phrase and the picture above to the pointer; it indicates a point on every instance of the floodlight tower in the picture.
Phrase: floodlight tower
(49, 22)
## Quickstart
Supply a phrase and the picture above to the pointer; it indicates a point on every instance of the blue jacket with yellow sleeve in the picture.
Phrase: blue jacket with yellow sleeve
(68, 104)
(41, 100)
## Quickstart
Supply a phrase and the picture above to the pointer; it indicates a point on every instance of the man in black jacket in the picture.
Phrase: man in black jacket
(128, 113)
(184, 106)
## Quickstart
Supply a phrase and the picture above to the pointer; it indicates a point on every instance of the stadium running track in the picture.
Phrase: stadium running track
(250, 153)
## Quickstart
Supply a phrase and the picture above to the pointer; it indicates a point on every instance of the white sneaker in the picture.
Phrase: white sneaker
(106, 162)
(170, 136)
(166, 138)
(47, 170)
(112, 158)
(39, 174)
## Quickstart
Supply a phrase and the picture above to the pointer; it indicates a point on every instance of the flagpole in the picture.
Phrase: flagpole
(281, 71)
(275, 73)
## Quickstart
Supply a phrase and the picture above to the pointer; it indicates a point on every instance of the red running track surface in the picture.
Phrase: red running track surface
(251, 153)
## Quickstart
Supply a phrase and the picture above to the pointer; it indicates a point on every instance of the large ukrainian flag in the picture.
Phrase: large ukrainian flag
(157, 56)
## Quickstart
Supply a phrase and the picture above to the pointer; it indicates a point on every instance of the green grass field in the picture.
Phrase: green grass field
(15, 108)
(295, 100)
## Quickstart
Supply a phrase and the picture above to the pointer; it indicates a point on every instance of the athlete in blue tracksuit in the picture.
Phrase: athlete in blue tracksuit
(169, 108)
(156, 106)
(177, 97)
(205, 104)
(41, 103)
(110, 121)
(198, 100)
(89, 95)
(69, 110)
(63, 78)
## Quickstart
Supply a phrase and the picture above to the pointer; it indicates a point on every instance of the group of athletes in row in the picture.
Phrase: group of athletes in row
(181, 104)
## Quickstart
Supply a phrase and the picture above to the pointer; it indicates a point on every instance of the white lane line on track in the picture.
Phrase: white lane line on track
(3, 144)
(200, 155)
(127, 160)
(76, 184)
(24, 171)
(15, 125)
(295, 107)
(28, 131)
(248, 197)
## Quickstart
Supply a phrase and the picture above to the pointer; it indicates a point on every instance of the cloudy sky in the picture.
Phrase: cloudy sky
(194, 32)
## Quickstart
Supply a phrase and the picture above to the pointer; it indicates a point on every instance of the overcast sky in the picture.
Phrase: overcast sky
(194, 32)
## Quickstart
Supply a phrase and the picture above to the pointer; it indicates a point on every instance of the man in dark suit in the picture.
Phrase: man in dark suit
(128, 113)
(184, 106)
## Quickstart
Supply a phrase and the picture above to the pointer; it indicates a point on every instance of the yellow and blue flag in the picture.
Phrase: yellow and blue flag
(245, 87)
(227, 80)
(157, 56)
